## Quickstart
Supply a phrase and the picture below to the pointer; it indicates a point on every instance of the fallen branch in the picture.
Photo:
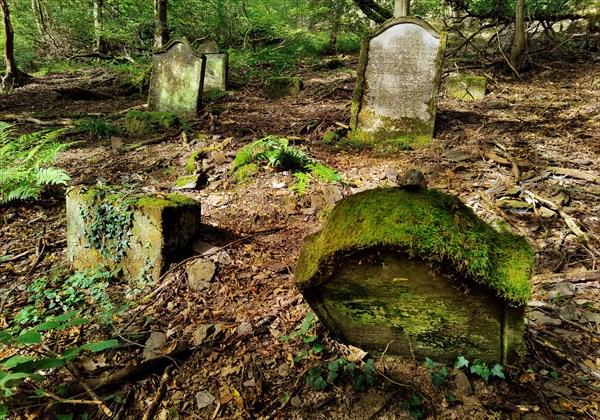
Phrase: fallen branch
(574, 173)
(160, 394)
(571, 277)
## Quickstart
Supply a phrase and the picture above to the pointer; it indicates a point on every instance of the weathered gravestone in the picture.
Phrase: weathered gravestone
(398, 78)
(177, 78)
(141, 235)
(419, 274)
(216, 75)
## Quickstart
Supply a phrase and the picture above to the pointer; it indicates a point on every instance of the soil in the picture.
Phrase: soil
(534, 140)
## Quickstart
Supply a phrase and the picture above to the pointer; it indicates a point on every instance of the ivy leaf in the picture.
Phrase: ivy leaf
(461, 362)
(498, 371)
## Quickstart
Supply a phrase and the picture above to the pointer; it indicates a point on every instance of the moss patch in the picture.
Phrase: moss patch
(280, 87)
(467, 87)
(147, 122)
(430, 225)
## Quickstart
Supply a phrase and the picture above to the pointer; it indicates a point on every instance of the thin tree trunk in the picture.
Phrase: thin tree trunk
(13, 76)
(335, 28)
(373, 11)
(161, 30)
(401, 8)
(519, 45)
(98, 26)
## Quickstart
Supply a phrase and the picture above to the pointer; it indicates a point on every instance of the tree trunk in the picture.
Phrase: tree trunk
(161, 30)
(98, 26)
(13, 76)
(401, 8)
(335, 27)
(519, 45)
(373, 11)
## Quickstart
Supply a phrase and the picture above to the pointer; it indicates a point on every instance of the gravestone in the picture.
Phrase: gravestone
(216, 76)
(398, 78)
(177, 78)
(416, 272)
(280, 87)
(140, 234)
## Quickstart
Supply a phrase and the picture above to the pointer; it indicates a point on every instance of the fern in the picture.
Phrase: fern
(24, 163)
(323, 172)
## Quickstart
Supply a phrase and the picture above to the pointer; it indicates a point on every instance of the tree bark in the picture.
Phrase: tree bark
(373, 11)
(13, 76)
(98, 26)
(335, 27)
(401, 8)
(161, 30)
(519, 44)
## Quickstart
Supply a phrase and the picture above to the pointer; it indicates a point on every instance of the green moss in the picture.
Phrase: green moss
(330, 137)
(146, 122)
(190, 167)
(279, 87)
(430, 225)
(467, 87)
(170, 200)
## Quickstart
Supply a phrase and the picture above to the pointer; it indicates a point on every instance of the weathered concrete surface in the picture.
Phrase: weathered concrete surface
(142, 237)
(216, 76)
(397, 85)
(177, 78)
(466, 87)
(419, 273)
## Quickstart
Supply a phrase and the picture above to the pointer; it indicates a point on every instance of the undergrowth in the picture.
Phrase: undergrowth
(277, 153)
(25, 163)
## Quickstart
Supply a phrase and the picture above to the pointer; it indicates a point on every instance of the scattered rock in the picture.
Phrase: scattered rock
(296, 401)
(204, 399)
(317, 201)
(356, 354)
(332, 194)
(244, 328)
(412, 180)
(218, 157)
(391, 174)
(188, 182)
(204, 248)
(153, 344)
(562, 290)
(463, 386)
(250, 382)
(546, 213)
(116, 143)
(200, 274)
(457, 156)
(205, 332)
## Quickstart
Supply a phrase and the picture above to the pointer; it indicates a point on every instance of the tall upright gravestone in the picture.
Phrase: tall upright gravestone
(216, 76)
(177, 78)
(396, 92)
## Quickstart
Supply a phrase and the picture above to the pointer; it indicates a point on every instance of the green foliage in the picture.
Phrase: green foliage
(277, 153)
(340, 370)
(108, 223)
(29, 357)
(437, 371)
(24, 163)
(415, 407)
(87, 288)
(480, 368)
(97, 128)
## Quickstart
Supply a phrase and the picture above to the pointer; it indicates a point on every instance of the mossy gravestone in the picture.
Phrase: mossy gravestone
(419, 274)
(216, 75)
(177, 78)
(396, 91)
(141, 235)
(280, 87)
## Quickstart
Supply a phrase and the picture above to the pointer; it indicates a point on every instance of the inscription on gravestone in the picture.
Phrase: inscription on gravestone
(398, 79)
(177, 78)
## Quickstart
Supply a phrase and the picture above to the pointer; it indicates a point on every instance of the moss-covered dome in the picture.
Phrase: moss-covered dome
(427, 224)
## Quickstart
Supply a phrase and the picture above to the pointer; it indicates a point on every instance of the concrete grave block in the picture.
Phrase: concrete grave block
(177, 78)
(142, 235)
(467, 87)
(216, 76)
(418, 273)
(280, 87)
(398, 78)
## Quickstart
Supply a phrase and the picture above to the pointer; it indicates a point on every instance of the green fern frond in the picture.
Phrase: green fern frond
(323, 172)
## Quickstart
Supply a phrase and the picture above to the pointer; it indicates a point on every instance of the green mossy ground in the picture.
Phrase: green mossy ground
(467, 87)
(148, 122)
(279, 87)
(428, 224)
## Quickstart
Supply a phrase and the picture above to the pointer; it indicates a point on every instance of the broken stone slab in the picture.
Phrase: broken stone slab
(280, 87)
(419, 273)
(216, 75)
(398, 78)
(469, 88)
(140, 234)
(153, 345)
(177, 78)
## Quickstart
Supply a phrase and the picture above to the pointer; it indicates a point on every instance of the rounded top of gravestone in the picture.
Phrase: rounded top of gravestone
(176, 42)
(209, 47)
(406, 20)
(426, 224)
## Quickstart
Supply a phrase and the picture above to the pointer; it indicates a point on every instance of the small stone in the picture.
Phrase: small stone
(317, 201)
(200, 274)
(546, 320)
(187, 182)
(116, 143)
(296, 401)
(332, 194)
(463, 386)
(546, 213)
(412, 180)
(391, 174)
(204, 399)
(201, 333)
(218, 157)
(249, 382)
(154, 343)
(204, 248)
(244, 328)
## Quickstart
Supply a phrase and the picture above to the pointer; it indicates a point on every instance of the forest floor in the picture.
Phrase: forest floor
(528, 153)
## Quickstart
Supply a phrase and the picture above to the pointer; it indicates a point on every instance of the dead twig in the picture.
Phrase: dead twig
(160, 394)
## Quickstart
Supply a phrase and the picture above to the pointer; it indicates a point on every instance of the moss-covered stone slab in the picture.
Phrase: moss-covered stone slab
(177, 78)
(280, 87)
(419, 273)
(140, 234)
(398, 78)
(467, 87)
